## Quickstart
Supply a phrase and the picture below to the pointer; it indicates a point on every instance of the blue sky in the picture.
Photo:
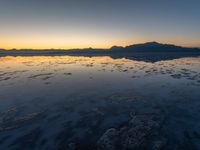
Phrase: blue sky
(97, 23)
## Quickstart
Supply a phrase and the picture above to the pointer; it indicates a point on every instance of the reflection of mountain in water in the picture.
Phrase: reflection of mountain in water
(151, 51)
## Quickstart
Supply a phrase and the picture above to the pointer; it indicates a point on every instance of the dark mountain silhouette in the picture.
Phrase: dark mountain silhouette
(153, 47)
(150, 51)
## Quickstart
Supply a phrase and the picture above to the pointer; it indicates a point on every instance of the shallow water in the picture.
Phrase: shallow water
(67, 102)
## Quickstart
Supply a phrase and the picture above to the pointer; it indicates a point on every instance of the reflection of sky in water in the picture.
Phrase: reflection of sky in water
(69, 89)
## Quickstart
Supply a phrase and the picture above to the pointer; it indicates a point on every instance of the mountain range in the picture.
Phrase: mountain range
(153, 47)
(144, 47)
(150, 50)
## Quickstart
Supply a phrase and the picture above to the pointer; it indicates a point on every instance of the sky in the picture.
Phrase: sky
(43, 24)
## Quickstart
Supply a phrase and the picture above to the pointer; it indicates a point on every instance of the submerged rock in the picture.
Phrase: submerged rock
(108, 140)
(130, 136)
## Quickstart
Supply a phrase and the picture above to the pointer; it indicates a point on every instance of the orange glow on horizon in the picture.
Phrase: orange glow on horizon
(39, 42)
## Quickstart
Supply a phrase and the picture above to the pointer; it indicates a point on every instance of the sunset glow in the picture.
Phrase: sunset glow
(98, 24)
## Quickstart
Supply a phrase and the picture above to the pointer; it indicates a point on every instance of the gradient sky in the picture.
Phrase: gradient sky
(97, 23)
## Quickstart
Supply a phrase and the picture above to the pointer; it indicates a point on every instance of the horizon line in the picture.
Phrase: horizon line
(97, 47)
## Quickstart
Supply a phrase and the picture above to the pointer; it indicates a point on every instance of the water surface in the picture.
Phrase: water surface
(68, 102)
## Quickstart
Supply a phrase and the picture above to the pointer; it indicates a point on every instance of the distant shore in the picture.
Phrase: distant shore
(151, 51)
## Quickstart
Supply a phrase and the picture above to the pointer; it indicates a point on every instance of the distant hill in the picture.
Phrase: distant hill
(153, 47)
(150, 51)
(145, 47)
